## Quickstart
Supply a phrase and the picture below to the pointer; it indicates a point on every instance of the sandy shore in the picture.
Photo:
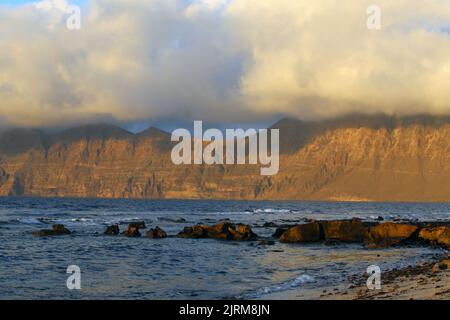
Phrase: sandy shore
(430, 281)
(427, 281)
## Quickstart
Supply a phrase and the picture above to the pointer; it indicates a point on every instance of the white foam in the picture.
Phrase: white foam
(285, 286)
(271, 210)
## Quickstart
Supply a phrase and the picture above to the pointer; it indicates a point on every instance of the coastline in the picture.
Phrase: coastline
(421, 282)
(424, 281)
(151, 250)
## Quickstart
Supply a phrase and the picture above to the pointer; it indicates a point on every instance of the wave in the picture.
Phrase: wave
(285, 286)
(271, 210)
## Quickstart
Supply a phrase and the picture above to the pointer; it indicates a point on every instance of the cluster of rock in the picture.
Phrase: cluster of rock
(133, 230)
(57, 230)
(134, 227)
(372, 235)
(223, 230)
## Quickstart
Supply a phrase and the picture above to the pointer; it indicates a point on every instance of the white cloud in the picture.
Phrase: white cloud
(222, 60)
(48, 5)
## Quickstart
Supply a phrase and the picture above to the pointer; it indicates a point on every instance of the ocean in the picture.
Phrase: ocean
(172, 268)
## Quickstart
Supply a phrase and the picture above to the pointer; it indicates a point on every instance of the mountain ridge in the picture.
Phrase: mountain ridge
(353, 158)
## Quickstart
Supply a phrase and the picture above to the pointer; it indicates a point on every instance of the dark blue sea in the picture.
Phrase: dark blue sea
(172, 268)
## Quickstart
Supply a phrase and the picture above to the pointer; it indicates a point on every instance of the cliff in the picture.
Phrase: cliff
(356, 158)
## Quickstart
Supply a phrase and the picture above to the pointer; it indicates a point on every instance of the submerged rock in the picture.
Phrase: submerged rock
(223, 230)
(156, 233)
(344, 230)
(58, 230)
(132, 231)
(388, 234)
(309, 232)
(112, 230)
(437, 235)
(174, 220)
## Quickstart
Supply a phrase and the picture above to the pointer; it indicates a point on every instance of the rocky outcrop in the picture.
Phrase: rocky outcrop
(388, 234)
(156, 233)
(132, 231)
(223, 230)
(345, 231)
(309, 232)
(439, 235)
(355, 159)
(57, 230)
(112, 230)
(373, 235)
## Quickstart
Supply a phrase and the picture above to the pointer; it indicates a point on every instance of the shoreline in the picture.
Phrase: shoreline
(426, 281)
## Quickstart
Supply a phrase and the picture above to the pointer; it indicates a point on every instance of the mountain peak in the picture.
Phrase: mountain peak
(94, 131)
(154, 133)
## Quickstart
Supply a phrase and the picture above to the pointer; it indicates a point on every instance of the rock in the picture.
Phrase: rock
(278, 232)
(436, 235)
(388, 234)
(309, 232)
(223, 230)
(196, 232)
(344, 230)
(241, 232)
(156, 233)
(132, 231)
(112, 230)
(380, 218)
(137, 224)
(178, 220)
(58, 230)
(441, 266)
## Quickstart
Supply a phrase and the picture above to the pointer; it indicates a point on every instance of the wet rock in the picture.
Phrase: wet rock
(223, 230)
(112, 230)
(156, 233)
(57, 230)
(344, 230)
(309, 232)
(380, 218)
(241, 232)
(196, 232)
(388, 234)
(137, 224)
(441, 266)
(437, 235)
(132, 231)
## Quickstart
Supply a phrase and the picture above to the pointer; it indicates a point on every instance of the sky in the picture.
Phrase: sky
(221, 61)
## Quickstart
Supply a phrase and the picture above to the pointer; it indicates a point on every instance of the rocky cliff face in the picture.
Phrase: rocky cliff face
(356, 158)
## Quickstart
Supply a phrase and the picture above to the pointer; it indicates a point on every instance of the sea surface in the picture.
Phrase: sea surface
(140, 268)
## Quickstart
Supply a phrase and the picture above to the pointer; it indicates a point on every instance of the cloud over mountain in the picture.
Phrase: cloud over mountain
(221, 60)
